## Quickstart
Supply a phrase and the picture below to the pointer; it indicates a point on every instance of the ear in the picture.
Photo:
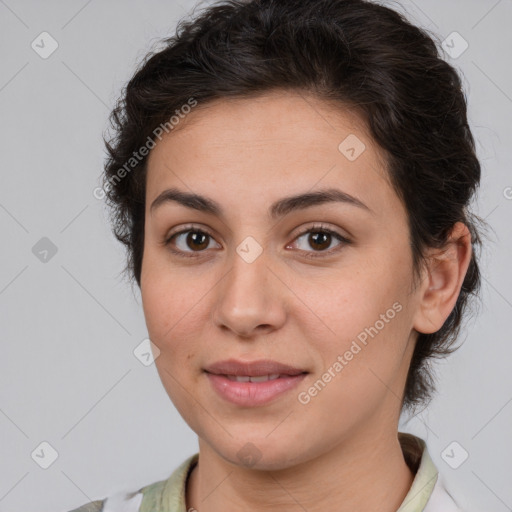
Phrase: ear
(442, 280)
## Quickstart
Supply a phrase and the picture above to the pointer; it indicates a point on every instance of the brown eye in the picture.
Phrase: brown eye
(197, 240)
(320, 239)
(189, 241)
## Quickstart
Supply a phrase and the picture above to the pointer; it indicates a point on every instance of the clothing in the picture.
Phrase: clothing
(427, 492)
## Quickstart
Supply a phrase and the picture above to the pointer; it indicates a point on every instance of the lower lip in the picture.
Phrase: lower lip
(252, 394)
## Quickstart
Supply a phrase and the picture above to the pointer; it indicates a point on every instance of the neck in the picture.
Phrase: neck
(365, 472)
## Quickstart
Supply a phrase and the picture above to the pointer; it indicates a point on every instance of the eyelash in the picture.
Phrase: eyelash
(314, 229)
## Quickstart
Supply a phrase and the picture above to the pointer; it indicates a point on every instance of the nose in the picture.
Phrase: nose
(250, 299)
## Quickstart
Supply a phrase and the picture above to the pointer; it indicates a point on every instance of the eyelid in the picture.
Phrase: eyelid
(320, 226)
(188, 227)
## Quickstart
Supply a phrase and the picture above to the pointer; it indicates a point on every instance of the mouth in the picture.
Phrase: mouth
(259, 368)
(253, 383)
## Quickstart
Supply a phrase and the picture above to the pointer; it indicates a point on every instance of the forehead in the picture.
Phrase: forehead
(266, 147)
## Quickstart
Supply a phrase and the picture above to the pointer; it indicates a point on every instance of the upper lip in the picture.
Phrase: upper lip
(252, 368)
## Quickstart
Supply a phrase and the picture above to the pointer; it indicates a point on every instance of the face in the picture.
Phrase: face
(323, 286)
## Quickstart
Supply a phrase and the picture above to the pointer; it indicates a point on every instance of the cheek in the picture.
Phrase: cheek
(361, 368)
(171, 314)
(172, 317)
(360, 326)
(176, 316)
(169, 295)
(343, 304)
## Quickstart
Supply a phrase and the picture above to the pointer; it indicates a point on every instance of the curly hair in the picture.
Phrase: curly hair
(349, 53)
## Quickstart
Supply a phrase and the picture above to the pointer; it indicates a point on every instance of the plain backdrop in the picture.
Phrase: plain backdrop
(73, 395)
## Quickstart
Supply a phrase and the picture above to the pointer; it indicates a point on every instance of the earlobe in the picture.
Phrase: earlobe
(443, 280)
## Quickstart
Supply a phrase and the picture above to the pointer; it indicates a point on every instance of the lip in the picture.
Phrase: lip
(252, 394)
(252, 368)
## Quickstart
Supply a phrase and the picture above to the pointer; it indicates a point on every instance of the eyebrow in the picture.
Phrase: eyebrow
(278, 209)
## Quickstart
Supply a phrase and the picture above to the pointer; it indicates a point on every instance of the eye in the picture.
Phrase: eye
(196, 239)
(320, 238)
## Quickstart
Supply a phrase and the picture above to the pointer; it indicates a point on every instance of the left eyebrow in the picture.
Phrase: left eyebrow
(278, 209)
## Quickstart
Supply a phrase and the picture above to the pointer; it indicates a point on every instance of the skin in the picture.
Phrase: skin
(339, 451)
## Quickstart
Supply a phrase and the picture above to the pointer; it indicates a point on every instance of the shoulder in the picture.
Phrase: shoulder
(170, 490)
(120, 502)
(93, 506)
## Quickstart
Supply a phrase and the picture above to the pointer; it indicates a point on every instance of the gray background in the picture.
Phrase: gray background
(69, 326)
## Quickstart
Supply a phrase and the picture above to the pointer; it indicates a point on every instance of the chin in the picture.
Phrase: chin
(263, 454)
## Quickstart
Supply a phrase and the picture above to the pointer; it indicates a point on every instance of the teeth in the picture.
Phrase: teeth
(246, 378)
(263, 378)
(239, 379)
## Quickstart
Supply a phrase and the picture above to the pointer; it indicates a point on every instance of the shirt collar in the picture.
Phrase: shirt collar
(418, 459)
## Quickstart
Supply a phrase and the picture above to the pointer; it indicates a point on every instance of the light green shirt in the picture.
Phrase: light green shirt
(426, 494)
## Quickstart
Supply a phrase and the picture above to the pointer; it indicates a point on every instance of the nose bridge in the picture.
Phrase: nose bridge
(247, 297)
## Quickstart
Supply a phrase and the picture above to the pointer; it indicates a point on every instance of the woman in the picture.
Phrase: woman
(292, 180)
